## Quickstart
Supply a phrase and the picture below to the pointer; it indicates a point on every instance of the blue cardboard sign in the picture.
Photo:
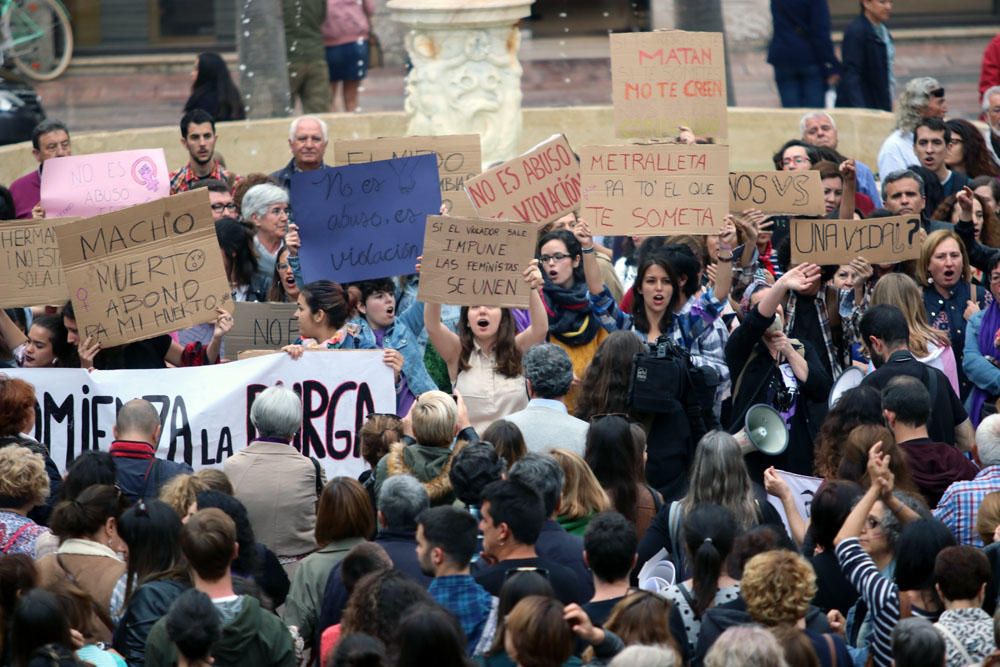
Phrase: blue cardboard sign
(366, 220)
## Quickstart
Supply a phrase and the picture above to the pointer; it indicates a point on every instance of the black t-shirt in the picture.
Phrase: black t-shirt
(147, 353)
(563, 580)
(947, 411)
(599, 611)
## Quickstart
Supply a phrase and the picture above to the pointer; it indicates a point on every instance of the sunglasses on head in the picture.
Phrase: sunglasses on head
(514, 571)
(937, 92)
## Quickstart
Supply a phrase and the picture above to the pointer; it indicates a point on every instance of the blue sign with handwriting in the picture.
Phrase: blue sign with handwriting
(365, 220)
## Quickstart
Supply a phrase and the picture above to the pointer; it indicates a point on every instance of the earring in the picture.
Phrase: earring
(930, 280)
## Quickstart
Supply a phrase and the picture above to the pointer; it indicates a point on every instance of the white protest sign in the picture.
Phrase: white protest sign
(205, 410)
(803, 489)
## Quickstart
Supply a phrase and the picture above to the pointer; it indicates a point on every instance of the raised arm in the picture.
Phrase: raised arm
(724, 270)
(595, 283)
(848, 176)
(538, 329)
(11, 335)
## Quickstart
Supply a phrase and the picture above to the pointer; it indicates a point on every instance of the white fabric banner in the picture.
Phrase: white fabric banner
(205, 411)
(803, 489)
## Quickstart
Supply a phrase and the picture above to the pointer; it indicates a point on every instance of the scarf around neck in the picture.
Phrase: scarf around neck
(568, 308)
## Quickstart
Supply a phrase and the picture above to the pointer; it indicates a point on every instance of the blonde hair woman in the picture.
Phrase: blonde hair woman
(930, 346)
(582, 495)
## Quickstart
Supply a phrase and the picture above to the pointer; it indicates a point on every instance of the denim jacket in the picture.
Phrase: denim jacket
(402, 336)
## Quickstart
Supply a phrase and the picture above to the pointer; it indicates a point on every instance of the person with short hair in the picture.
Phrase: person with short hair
(868, 52)
(250, 635)
(400, 501)
(542, 473)
(24, 485)
(220, 197)
(49, 139)
(958, 505)
(921, 97)
(137, 438)
(447, 538)
(931, 139)
(886, 337)
(194, 627)
(545, 421)
(961, 574)
(308, 73)
(819, 128)
(609, 546)
(278, 485)
(512, 518)
(344, 519)
(198, 137)
(917, 643)
(906, 405)
(307, 139)
(749, 645)
(266, 209)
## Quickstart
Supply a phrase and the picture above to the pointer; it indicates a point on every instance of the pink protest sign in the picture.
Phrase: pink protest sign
(87, 185)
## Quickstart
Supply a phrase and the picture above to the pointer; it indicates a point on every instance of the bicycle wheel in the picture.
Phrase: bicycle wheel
(43, 39)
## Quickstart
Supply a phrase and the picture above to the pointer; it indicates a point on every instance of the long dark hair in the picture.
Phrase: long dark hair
(38, 620)
(276, 293)
(605, 383)
(709, 533)
(214, 91)
(508, 355)
(642, 323)
(332, 298)
(152, 531)
(236, 244)
(65, 353)
(860, 405)
(976, 160)
(612, 454)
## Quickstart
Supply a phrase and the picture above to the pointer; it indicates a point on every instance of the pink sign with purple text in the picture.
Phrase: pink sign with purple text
(87, 185)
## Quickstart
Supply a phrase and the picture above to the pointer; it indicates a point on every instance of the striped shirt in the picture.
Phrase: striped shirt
(880, 594)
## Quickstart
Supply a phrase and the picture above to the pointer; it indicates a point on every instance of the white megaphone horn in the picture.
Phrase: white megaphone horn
(763, 431)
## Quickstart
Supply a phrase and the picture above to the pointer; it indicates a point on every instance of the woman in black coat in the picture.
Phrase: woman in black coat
(867, 54)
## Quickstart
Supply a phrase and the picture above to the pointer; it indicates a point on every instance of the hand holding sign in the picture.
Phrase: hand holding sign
(878, 240)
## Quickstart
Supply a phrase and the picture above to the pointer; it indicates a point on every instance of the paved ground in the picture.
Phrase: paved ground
(573, 71)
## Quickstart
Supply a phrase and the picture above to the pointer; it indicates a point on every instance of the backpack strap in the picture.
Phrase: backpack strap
(674, 529)
(956, 642)
(319, 476)
(657, 501)
(13, 538)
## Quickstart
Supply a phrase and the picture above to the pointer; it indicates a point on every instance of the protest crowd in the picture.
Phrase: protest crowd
(747, 435)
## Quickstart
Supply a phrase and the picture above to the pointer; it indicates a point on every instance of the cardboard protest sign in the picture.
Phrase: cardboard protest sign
(147, 270)
(540, 186)
(30, 271)
(668, 78)
(365, 220)
(878, 240)
(787, 192)
(205, 410)
(473, 262)
(261, 326)
(88, 185)
(459, 158)
(655, 189)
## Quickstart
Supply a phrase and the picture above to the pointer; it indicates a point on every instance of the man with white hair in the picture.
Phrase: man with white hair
(307, 138)
(960, 502)
(819, 129)
(278, 486)
(991, 111)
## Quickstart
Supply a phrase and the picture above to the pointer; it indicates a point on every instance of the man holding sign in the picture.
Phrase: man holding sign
(49, 139)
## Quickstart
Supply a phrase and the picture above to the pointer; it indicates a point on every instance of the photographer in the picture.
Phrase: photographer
(782, 372)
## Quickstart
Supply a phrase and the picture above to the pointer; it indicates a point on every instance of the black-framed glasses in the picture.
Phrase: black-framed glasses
(218, 206)
(514, 571)
(555, 257)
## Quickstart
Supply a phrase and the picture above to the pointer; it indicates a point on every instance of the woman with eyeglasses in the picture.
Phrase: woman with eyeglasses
(89, 552)
(156, 574)
(484, 357)
(265, 209)
(580, 308)
(286, 279)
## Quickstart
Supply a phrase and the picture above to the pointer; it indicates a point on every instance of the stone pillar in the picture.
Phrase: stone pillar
(466, 77)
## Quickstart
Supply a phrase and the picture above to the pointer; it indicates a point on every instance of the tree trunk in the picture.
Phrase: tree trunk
(260, 41)
(705, 16)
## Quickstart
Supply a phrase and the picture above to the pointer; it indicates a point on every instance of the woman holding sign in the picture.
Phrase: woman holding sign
(45, 345)
(484, 357)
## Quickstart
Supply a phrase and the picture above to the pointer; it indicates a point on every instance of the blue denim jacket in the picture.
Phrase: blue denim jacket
(402, 336)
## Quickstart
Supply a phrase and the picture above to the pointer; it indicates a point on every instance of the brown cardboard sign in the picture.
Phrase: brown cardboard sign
(459, 158)
(476, 262)
(30, 271)
(668, 78)
(145, 270)
(787, 192)
(655, 189)
(878, 240)
(261, 326)
(540, 186)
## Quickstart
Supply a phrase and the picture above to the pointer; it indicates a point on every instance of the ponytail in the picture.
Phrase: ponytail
(706, 568)
(83, 516)
(709, 533)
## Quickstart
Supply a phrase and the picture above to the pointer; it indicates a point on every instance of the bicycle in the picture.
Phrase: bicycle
(36, 36)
